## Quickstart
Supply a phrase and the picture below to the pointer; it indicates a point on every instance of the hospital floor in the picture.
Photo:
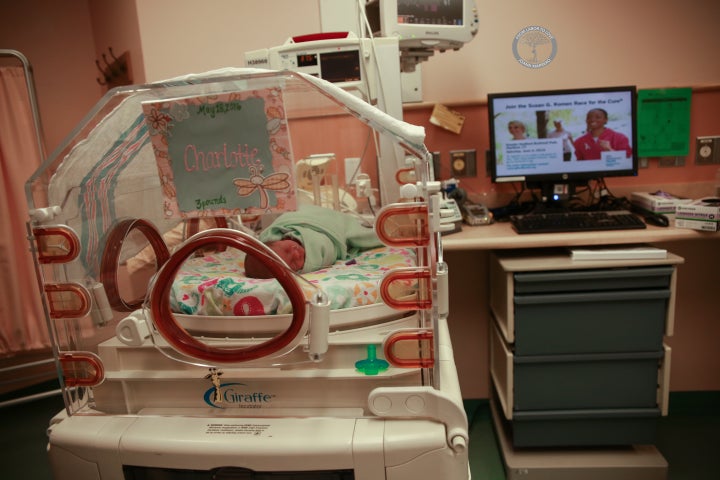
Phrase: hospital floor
(687, 438)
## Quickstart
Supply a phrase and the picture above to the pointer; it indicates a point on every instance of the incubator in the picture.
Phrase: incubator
(172, 363)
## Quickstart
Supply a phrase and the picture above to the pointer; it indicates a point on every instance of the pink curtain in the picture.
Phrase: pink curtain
(22, 322)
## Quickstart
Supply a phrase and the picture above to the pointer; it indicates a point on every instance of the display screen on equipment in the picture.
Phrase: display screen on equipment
(430, 12)
(427, 24)
(307, 60)
(563, 136)
(341, 66)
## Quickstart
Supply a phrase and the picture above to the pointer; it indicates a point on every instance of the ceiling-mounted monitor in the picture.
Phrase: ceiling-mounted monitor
(424, 24)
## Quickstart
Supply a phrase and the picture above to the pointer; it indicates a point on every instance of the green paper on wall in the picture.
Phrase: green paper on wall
(663, 125)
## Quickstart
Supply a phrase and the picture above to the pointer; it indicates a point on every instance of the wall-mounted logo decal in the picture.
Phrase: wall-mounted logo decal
(534, 47)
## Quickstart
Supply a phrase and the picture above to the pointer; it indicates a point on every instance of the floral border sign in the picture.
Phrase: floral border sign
(223, 154)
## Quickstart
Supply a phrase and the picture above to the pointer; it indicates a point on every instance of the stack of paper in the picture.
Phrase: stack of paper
(618, 253)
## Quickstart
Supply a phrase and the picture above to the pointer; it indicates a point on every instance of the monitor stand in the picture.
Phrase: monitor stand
(554, 196)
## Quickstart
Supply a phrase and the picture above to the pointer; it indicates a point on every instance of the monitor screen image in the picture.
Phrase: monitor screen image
(562, 136)
(430, 12)
(424, 24)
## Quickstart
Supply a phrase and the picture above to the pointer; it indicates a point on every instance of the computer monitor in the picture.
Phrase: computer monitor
(423, 24)
(547, 138)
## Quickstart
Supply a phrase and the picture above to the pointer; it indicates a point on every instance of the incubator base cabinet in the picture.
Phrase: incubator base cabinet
(578, 360)
(297, 422)
(346, 372)
(254, 441)
(129, 448)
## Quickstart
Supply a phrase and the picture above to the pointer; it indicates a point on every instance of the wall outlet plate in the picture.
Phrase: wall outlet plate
(707, 150)
(463, 163)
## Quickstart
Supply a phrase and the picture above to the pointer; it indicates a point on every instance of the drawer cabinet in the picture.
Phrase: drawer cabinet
(577, 353)
(587, 322)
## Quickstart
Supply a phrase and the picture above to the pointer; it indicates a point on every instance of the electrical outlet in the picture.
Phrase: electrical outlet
(463, 163)
(707, 150)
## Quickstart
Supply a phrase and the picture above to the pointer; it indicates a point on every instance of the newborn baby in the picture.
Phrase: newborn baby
(312, 238)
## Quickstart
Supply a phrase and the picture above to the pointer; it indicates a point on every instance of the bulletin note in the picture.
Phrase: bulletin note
(663, 122)
(223, 154)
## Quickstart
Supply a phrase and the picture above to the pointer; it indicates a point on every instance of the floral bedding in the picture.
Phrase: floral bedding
(215, 284)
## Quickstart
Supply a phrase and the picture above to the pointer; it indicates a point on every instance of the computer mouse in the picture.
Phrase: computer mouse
(658, 220)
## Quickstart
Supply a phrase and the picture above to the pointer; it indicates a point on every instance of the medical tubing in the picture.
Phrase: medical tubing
(193, 225)
(182, 341)
(111, 258)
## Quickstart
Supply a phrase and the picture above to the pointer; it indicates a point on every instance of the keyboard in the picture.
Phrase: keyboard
(576, 221)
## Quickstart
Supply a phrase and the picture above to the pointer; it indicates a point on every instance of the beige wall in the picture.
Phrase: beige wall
(649, 43)
(115, 25)
(187, 36)
(56, 38)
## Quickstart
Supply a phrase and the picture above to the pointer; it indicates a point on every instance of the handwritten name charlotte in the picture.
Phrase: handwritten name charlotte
(223, 157)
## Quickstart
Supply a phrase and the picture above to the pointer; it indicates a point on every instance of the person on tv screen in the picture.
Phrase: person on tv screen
(566, 138)
(599, 138)
(517, 130)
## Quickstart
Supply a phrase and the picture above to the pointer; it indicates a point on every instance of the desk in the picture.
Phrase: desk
(696, 358)
(500, 236)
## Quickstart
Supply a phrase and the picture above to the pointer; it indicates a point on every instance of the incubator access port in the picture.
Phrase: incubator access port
(67, 300)
(410, 349)
(81, 369)
(404, 225)
(58, 244)
(183, 342)
(407, 289)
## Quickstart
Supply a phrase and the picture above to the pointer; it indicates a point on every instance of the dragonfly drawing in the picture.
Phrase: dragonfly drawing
(276, 182)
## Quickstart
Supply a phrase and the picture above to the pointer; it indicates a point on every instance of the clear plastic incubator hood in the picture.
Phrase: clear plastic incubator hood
(172, 362)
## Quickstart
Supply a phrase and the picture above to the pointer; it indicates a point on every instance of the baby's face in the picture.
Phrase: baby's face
(289, 250)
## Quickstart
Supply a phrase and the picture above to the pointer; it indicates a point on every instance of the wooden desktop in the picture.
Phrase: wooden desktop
(501, 236)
